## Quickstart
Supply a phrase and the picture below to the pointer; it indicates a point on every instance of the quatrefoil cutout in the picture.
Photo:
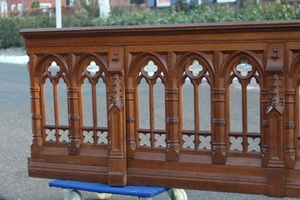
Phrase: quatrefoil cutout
(205, 142)
(88, 137)
(145, 139)
(92, 68)
(189, 141)
(150, 68)
(253, 144)
(64, 136)
(236, 143)
(50, 135)
(244, 68)
(195, 68)
(102, 138)
(54, 69)
(160, 140)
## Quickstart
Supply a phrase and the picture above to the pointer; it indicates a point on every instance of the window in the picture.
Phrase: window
(162, 3)
(19, 7)
(225, 1)
(3, 7)
(45, 5)
(165, 3)
(13, 7)
(72, 2)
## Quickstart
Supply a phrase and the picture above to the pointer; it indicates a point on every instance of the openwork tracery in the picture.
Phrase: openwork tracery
(243, 83)
(53, 81)
(150, 75)
(195, 75)
(93, 99)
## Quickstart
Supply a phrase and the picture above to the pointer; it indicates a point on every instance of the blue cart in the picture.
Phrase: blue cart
(104, 191)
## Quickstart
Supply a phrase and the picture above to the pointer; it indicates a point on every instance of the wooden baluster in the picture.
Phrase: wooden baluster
(37, 141)
(73, 98)
(290, 105)
(130, 121)
(130, 118)
(289, 129)
(172, 105)
(219, 122)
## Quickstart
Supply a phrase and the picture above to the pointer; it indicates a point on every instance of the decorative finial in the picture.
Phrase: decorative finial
(116, 57)
(275, 54)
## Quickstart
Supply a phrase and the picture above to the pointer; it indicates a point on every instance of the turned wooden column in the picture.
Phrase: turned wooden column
(73, 101)
(289, 124)
(290, 111)
(219, 122)
(172, 108)
(130, 120)
(116, 118)
(36, 119)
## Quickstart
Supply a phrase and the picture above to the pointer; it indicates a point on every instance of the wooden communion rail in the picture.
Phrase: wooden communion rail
(202, 106)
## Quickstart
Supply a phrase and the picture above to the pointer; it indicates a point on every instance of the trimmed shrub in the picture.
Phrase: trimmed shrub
(10, 27)
(176, 14)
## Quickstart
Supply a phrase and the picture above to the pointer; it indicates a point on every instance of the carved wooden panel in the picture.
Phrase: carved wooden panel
(212, 106)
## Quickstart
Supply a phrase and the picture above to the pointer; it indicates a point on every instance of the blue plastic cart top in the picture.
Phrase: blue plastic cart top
(140, 191)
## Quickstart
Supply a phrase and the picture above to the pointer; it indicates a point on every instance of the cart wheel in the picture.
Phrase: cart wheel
(180, 194)
(102, 195)
(72, 195)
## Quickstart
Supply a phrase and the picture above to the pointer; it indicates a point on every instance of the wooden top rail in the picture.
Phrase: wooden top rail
(166, 33)
(199, 106)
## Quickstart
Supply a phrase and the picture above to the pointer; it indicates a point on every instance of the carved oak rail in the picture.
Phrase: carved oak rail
(208, 106)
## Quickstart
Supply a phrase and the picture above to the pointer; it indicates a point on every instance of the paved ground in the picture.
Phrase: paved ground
(15, 140)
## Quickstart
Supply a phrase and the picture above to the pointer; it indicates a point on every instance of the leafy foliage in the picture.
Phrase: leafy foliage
(35, 4)
(180, 13)
(10, 27)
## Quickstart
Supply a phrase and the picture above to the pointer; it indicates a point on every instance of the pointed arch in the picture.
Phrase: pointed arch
(188, 58)
(141, 60)
(45, 62)
(233, 60)
(294, 71)
(86, 59)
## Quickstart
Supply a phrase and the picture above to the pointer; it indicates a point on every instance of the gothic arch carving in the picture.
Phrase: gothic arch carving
(294, 71)
(44, 63)
(187, 59)
(142, 60)
(85, 60)
(233, 60)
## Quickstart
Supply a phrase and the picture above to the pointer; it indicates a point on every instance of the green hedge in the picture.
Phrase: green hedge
(204, 14)
(10, 26)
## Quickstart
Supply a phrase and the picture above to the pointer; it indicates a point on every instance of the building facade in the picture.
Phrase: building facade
(17, 5)
(3, 8)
